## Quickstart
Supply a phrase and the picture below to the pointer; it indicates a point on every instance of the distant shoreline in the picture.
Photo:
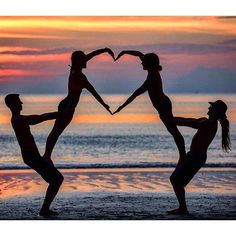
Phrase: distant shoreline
(211, 166)
(124, 94)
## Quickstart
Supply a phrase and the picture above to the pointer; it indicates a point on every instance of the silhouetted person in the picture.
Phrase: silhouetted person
(162, 103)
(21, 125)
(77, 82)
(196, 157)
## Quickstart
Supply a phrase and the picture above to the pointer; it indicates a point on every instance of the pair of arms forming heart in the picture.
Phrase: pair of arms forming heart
(129, 52)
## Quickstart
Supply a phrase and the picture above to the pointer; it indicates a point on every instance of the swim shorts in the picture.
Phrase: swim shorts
(183, 174)
(41, 165)
(164, 106)
(67, 103)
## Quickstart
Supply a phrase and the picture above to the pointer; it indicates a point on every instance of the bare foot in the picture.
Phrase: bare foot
(48, 213)
(178, 211)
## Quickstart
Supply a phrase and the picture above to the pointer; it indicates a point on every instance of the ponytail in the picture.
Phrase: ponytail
(225, 133)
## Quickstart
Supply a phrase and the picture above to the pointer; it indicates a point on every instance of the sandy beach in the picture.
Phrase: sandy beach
(121, 206)
(116, 167)
(118, 194)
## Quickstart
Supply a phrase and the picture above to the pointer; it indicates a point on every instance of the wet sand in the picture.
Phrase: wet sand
(124, 194)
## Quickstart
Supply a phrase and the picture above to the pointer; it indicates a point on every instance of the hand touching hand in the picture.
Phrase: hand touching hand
(108, 109)
(118, 109)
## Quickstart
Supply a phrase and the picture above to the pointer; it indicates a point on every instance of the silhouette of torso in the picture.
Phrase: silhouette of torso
(77, 82)
(155, 88)
(204, 136)
(23, 134)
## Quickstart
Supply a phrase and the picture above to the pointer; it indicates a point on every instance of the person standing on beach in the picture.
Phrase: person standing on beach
(196, 157)
(76, 83)
(45, 168)
(162, 103)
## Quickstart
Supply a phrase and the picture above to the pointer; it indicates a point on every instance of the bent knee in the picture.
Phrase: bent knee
(60, 178)
(174, 180)
(57, 179)
(177, 182)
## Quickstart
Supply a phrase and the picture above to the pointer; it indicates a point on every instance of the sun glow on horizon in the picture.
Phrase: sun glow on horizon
(100, 24)
(44, 44)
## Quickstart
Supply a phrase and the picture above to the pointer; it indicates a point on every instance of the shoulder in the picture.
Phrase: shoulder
(203, 119)
(204, 122)
(18, 119)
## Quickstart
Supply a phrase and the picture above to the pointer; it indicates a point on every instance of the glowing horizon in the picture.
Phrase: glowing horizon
(41, 47)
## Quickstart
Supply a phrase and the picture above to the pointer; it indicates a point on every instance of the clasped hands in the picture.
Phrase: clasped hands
(112, 113)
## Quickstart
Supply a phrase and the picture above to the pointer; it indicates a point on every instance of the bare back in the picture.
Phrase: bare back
(204, 136)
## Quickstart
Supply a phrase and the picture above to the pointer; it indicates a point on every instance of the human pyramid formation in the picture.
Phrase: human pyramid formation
(188, 164)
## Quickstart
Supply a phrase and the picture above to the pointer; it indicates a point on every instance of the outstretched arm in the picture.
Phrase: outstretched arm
(98, 52)
(92, 90)
(36, 119)
(138, 92)
(190, 122)
(132, 53)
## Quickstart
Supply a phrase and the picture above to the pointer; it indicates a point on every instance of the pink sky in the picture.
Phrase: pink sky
(37, 49)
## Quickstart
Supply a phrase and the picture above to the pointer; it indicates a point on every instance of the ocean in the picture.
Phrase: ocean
(133, 138)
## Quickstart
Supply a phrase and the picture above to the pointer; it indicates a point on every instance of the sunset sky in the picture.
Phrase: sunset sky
(198, 54)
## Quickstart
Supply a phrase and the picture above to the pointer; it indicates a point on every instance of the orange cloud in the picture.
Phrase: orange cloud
(16, 49)
(33, 58)
(116, 24)
(5, 73)
(30, 35)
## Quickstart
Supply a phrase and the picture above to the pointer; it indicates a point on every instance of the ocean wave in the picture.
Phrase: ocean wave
(121, 165)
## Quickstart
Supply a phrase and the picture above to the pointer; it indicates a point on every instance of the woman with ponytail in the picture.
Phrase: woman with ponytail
(196, 157)
(225, 141)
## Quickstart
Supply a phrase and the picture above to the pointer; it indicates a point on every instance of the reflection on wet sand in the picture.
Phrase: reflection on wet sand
(26, 182)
